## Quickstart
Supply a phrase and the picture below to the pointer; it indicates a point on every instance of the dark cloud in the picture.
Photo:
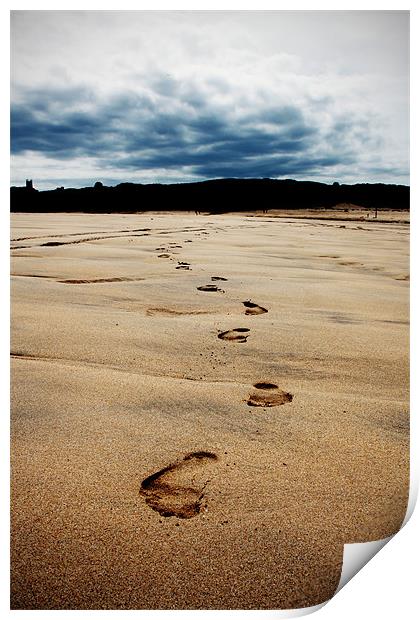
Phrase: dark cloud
(135, 132)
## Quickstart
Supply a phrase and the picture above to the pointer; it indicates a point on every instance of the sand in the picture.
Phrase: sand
(180, 447)
(345, 212)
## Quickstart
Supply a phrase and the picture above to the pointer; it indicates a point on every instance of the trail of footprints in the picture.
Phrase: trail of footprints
(178, 490)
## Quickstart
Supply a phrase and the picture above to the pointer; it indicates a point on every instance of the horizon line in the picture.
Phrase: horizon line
(201, 181)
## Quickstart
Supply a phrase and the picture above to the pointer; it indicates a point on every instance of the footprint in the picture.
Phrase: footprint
(211, 288)
(164, 256)
(348, 262)
(182, 265)
(268, 395)
(178, 489)
(235, 335)
(328, 256)
(252, 308)
(216, 278)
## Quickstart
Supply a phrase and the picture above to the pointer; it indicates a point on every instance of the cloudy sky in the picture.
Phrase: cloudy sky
(180, 96)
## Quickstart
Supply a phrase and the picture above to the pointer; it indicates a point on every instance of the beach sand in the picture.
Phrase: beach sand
(147, 470)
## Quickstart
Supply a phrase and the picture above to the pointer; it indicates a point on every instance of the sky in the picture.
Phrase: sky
(175, 96)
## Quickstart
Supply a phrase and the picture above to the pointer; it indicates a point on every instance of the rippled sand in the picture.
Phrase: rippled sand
(204, 408)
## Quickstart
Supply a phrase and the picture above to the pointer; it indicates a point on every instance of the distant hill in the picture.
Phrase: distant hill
(218, 196)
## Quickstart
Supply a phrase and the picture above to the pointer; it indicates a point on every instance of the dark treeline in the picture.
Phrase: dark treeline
(216, 196)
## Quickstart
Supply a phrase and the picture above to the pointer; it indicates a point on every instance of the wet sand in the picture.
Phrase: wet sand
(204, 408)
(345, 212)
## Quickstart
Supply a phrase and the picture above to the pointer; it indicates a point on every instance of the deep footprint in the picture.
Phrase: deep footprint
(216, 278)
(178, 489)
(210, 288)
(268, 395)
(252, 308)
(235, 335)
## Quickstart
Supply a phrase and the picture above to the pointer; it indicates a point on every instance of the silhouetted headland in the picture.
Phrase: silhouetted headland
(216, 196)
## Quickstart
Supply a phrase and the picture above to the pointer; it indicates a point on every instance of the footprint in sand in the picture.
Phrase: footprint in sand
(182, 265)
(235, 335)
(217, 278)
(210, 288)
(178, 489)
(347, 263)
(328, 256)
(268, 395)
(252, 308)
(164, 256)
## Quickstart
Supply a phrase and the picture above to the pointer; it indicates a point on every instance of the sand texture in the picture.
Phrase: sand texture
(204, 408)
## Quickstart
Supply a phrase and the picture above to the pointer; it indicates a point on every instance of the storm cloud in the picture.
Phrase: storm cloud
(247, 117)
(132, 132)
